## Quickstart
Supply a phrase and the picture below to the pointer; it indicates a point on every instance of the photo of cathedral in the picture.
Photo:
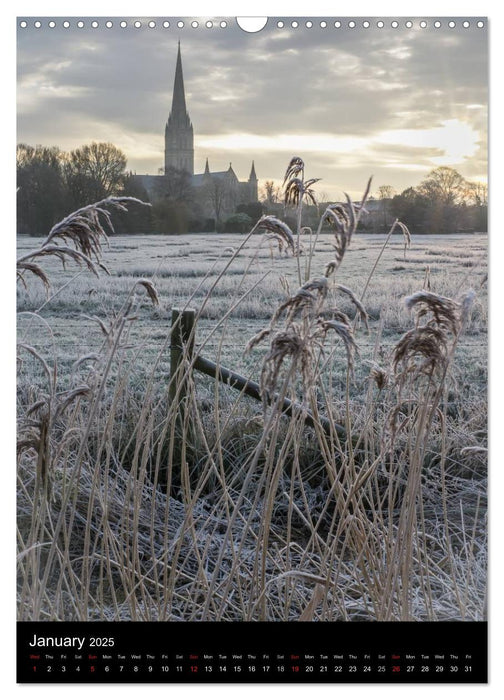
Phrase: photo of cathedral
(251, 405)
(219, 192)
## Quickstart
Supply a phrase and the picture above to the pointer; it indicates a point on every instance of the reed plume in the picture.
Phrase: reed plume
(79, 238)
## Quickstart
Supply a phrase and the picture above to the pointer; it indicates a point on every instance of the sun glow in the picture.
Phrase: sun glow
(306, 143)
(453, 142)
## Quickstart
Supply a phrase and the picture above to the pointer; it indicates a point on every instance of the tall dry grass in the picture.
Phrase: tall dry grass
(135, 507)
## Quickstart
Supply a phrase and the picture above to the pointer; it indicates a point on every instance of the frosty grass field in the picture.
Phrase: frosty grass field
(281, 523)
(177, 264)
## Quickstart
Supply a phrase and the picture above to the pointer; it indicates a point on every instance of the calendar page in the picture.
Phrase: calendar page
(252, 349)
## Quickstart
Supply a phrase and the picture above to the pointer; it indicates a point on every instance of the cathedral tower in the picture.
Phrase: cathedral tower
(179, 137)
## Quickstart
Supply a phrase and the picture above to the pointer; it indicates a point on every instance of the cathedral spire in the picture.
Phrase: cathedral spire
(252, 184)
(179, 137)
(179, 109)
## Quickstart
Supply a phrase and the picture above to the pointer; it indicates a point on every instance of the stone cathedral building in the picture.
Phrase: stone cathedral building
(218, 193)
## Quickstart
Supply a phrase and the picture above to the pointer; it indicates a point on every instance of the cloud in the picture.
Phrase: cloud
(399, 101)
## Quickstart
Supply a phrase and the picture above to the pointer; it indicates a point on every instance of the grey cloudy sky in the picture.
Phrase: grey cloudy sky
(392, 103)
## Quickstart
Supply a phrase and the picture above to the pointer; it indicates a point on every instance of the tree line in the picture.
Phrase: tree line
(443, 202)
(52, 183)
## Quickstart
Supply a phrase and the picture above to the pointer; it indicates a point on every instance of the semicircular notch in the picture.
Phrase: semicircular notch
(252, 24)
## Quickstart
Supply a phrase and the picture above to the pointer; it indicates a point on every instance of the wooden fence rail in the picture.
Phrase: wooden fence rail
(182, 347)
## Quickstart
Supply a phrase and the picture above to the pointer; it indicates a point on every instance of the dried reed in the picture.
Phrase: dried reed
(85, 228)
(226, 516)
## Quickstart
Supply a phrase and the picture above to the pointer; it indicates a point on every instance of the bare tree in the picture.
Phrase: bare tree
(270, 193)
(176, 185)
(444, 185)
(41, 198)
(385, 194)
(94, 171)
(477, 193)
(218, 195)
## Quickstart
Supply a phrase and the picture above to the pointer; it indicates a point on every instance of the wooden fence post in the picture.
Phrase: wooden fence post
(181, 358)
(182, 347)
(183, 361)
